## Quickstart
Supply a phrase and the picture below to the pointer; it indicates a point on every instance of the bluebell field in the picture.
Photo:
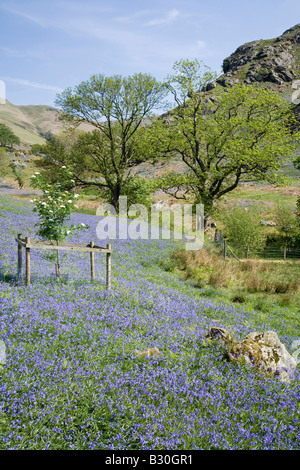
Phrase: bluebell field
(73, 381)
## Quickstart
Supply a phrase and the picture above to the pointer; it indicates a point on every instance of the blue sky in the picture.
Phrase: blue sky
(47, 46)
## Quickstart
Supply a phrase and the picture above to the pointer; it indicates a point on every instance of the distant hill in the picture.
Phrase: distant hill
(30, 123)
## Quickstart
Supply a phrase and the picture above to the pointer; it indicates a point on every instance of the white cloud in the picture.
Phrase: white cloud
(43, 86)
(31, 18)
(134, 16)
(10, 52)
(169, 18)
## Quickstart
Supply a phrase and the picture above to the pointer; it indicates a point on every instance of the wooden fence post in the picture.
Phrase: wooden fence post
(224, 249)
(108, 268)
(19, 256)
(284, 253)
(27, 239)
(92, 257)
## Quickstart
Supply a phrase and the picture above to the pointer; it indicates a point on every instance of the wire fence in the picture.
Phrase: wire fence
(248, 252)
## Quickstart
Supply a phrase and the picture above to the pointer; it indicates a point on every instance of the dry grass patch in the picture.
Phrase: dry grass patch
(207, 267)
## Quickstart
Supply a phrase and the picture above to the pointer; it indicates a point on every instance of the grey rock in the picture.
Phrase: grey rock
(267, 61)
(262, 350)
(268, 223)
(209, 86)
(266, 352)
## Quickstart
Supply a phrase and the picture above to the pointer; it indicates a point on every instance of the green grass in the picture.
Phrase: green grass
(262, 195)
(240, 281)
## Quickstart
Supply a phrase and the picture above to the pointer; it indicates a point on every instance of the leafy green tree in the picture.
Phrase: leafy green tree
(243, 227)
(139, 191)
(240, 134)
(286, 224)
(116, 107)
(7, 137)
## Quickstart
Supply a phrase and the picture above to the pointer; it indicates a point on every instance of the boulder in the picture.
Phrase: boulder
(148, 353)
(263, 350)
(268, 223)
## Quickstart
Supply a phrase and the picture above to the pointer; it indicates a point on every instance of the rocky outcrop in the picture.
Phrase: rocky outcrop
(263, 350)
(274, 61)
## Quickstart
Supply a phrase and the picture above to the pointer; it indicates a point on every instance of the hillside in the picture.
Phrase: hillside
(273, 62)
(30, 123)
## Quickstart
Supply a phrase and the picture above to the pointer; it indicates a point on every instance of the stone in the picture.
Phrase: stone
(273, 62)
(263, 350)
(218, 333)
(266, 352)
(149, 352)
(268, 223)
(209, 86)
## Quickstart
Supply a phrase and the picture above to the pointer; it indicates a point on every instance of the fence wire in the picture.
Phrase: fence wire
(247, 252)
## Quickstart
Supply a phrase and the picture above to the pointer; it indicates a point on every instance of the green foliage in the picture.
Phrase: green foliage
(286, 224)
(244, 133)
(138, 191)
(225, 65)
(3, 161)
(242, 227)
(55, 206)
(116, 107)
(298, 212)
(18, 167)
(7, 137)
(297, 162)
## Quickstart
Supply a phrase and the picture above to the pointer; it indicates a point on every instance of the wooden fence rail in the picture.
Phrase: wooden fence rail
(32, 243)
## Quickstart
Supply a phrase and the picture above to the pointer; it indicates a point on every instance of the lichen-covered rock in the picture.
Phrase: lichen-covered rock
(266, 352)
(219, 333)
(149, 352)
(274, 62)
(263, 350)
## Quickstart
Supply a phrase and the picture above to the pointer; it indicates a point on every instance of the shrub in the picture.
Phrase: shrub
(242, 227)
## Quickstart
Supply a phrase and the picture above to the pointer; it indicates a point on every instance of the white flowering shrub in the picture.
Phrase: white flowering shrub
(54, 207)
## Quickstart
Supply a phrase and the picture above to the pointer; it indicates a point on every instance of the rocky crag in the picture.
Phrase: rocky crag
(275, 63)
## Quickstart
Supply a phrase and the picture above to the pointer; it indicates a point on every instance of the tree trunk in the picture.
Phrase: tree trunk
(115, 194)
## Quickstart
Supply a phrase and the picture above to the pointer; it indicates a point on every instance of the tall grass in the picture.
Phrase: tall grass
(207, 267)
